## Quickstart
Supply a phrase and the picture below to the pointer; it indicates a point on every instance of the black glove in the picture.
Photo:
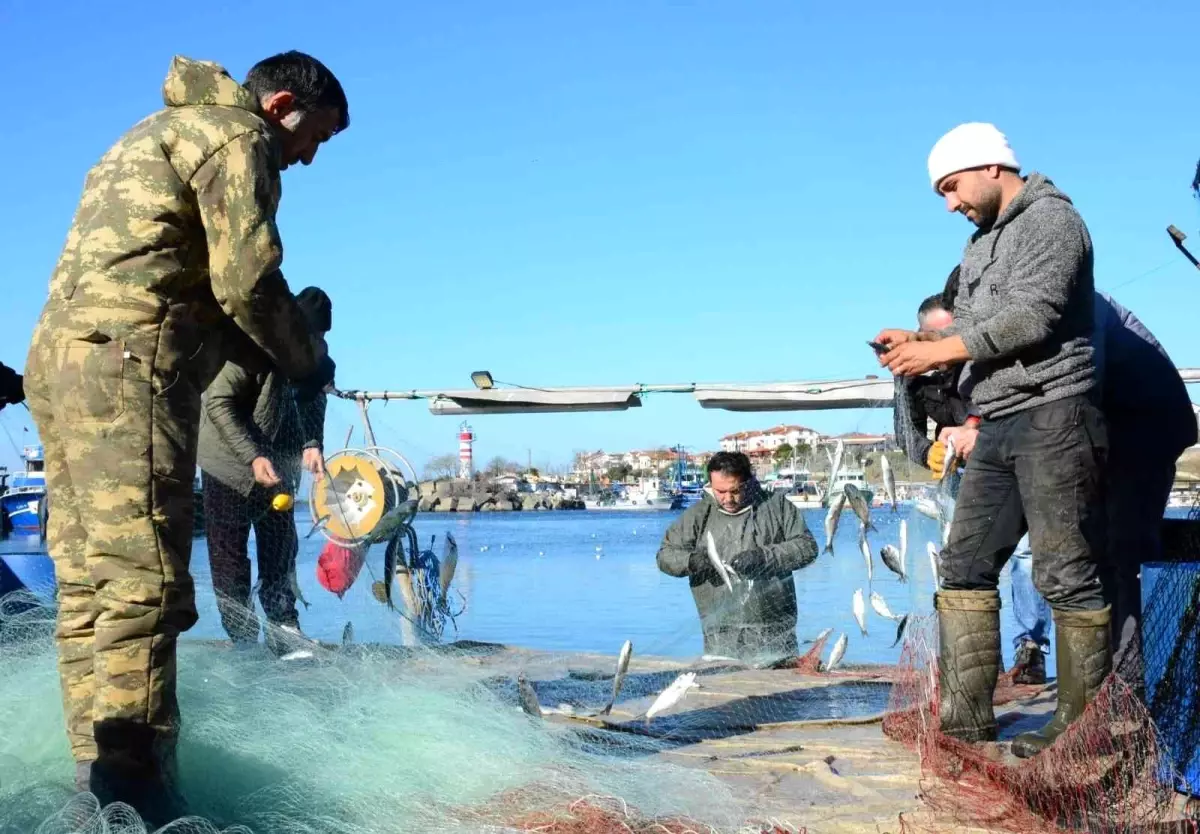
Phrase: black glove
(699, 568)
(12, 386)
(750, 564)
(307, 388)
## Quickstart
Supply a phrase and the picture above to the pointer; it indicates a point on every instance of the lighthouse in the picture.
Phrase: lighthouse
(465, 439)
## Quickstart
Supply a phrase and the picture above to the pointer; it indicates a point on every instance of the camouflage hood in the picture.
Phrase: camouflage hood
(192, 82)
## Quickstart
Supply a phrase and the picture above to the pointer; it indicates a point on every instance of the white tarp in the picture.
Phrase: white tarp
(526, 401)
(798, 396)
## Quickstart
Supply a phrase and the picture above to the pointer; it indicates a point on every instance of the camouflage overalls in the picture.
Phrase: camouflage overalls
(171, 263)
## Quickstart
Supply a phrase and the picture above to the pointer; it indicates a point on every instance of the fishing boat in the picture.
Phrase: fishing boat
(848, 475)
(22, 499)
(691, 486)
(647, 494)
(687, 479)
(804, 492)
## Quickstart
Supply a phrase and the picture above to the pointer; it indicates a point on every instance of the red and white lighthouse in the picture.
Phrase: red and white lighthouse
(465, 439)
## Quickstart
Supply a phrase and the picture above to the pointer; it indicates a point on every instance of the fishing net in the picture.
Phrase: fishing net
(1115, 769)
(1171, 640)
(1105, 774)
(382, 730)
(409, 710)
(324, 689)
(356, 739)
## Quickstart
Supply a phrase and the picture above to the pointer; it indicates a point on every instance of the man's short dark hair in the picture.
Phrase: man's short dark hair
(310, 81)
(731, 463)
(950, 292)
(934, 302)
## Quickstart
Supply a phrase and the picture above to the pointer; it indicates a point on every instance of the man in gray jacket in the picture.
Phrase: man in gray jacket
(1023, 327)
(764, 539)
(257, 429)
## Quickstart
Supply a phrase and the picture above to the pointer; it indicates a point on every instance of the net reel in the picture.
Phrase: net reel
(366, 496)
(369, 496)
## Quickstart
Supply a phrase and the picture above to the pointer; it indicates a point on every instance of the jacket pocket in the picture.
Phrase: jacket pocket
(90, 379)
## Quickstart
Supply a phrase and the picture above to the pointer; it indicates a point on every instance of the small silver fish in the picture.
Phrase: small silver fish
(866, 552)
(318, 524)
(891, 558)
(392, 523)
(673, 694)
(382, 588)
(839, 651)
(859, 505)
(889, 480)
(449, 563)
(900, 629)
(824, 633)
(832, 518)
(715, 560)
(619, 677)
(933, 563)
(950, 455)
(296, 592)
(529, 698)
(946, 534)
(860, 611)
(881, 607)
(348, 633)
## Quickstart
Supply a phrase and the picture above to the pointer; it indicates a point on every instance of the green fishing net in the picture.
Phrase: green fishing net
(357, 740)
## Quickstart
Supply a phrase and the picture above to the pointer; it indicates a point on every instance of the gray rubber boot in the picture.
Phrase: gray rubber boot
(968, 662)
(1083, 642)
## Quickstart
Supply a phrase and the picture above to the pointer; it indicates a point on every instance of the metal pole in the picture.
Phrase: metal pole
(368, 432)
(1178, 237)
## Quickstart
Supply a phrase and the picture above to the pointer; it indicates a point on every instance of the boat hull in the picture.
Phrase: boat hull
(21, 510)
(629, 506)
(33, 572)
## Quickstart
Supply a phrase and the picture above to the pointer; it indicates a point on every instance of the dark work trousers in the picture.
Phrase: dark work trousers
(1042, 471)
(1139, 485)
(228, 517)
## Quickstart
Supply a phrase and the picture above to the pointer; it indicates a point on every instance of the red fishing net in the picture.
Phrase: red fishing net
(1107, 773)
(548, 811)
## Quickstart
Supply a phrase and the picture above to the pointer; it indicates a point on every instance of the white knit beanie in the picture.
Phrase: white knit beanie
(971, 145)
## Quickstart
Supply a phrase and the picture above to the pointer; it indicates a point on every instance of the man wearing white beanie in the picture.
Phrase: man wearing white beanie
(1023, 327)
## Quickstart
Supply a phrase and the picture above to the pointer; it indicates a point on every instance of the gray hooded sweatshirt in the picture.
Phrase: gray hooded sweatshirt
(1025, 304)
(759, 625)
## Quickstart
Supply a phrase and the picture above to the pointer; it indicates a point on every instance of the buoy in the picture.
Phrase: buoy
(338, 567)
(282, 502)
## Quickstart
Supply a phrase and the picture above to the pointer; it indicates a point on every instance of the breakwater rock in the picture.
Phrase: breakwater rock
(468, 497)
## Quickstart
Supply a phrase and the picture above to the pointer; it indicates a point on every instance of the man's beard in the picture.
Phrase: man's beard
(987, 210)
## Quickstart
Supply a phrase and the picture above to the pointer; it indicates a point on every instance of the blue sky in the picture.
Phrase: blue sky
(575, 193)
